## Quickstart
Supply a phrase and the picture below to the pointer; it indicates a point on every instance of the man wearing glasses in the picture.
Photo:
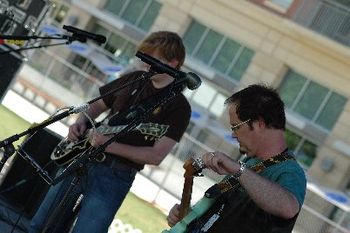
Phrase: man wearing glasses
(265, 191)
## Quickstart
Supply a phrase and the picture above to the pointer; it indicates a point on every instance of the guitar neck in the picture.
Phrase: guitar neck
(110, 129)
(106, 129)
(186, 216)
(186, 197)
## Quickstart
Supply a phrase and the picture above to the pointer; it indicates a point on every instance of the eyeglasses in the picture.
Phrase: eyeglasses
(234, 128)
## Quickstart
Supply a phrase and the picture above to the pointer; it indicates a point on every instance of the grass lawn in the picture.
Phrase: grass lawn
(142, 215)
(135, 211)
(11, 124)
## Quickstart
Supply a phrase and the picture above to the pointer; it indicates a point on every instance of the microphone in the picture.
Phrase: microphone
(83, 35)
(192, 80)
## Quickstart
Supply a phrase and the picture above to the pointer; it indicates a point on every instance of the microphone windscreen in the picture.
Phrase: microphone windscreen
(193, 81)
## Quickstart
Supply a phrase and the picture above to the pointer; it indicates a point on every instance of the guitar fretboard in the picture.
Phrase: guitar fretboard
(105, 129)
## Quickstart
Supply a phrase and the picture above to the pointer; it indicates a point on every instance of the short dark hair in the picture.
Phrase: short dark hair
(259, 101)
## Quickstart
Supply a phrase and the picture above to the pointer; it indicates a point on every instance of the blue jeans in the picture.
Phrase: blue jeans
(104, 188)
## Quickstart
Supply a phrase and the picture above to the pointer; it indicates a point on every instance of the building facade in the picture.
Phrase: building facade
(231, 44)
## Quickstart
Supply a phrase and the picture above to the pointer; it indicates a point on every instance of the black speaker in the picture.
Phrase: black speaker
(17, 18)
(22, 187)
(21, 17)
(9, 66)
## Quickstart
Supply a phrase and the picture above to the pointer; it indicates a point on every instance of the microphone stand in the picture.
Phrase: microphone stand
(69, 39)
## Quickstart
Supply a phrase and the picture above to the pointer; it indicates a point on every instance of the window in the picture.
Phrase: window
(208, 46)
(227, 55)
(59, 11)
(210, 99)
(193, 36)
(241, 64)
(141, 13)
(204, 95)
(311, 100)
(223, 54)
(218, 108)
(304, 150)
(87, 66)
(331, 110)
(118, 46)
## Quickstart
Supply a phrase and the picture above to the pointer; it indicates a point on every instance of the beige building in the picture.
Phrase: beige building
(231, 44)
(300, 47)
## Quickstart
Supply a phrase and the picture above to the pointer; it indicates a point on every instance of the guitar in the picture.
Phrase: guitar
(192, 168)
(67, 150)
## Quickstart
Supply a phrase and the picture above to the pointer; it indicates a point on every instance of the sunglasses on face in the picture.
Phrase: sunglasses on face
(235, 127)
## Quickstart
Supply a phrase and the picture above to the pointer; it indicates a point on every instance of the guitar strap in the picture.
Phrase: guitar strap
(230, 182)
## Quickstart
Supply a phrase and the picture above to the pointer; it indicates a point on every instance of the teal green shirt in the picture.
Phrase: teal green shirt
(288, 174)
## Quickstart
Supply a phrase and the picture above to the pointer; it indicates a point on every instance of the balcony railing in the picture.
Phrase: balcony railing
(326, 17)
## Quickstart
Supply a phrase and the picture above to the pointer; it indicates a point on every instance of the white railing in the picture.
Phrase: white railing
(61, 71)
(311, 221)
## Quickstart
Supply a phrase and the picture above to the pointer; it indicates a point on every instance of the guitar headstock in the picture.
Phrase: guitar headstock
(193, 167)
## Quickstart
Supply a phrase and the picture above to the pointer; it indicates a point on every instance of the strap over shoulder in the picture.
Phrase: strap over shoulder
(230, 182)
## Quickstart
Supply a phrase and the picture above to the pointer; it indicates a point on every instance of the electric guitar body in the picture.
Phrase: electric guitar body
(66, 150)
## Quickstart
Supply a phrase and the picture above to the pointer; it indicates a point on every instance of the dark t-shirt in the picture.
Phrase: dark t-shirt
(170, 119)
